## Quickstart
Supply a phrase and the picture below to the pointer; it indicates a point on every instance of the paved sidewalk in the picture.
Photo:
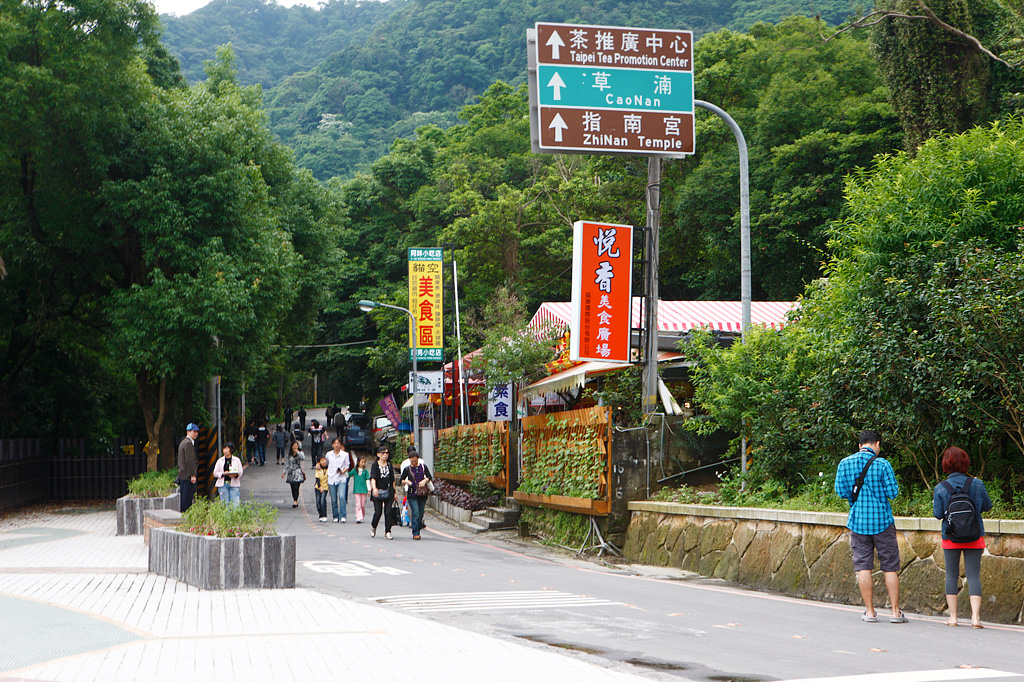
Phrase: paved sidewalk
(78, 603)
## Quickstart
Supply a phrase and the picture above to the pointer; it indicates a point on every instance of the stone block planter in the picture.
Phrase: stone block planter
(131, 509)
(449, 511)
(211, 563)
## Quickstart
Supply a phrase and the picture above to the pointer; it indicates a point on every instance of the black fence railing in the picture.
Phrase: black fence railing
(36, 470)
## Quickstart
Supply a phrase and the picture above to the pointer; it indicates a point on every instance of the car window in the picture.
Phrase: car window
(381, 423)
(359, 420)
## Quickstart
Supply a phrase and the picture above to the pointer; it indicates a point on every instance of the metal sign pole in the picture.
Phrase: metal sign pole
(741, 142)
(653, 224)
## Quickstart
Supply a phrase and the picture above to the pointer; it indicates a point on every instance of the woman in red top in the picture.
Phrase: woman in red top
(955, 462)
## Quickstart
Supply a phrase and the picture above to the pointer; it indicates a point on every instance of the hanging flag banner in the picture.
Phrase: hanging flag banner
(602, 290)
(390, 408)
(425, 302)
(499, 403)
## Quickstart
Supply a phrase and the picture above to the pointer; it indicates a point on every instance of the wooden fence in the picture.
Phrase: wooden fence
(466, 452)
(566, 461)
(34, 470)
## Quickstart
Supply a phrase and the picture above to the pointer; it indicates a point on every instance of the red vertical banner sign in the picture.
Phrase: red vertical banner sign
(602, 291)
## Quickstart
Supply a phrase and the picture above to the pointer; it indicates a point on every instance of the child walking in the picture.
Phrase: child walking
(320, 488)
(360, 488)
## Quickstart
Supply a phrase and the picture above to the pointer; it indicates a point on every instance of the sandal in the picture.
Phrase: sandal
(898, 619)
(868, 619)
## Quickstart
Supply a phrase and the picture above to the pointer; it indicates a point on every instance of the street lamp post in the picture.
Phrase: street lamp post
(367, 306)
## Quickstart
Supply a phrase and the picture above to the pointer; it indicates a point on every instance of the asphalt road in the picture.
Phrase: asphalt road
(662, 621)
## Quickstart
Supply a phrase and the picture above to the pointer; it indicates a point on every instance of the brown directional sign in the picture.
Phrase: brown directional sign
(646, 132)
(608, 89)
(642, 48)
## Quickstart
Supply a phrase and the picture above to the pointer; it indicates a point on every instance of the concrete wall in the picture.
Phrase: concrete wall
(808, 554)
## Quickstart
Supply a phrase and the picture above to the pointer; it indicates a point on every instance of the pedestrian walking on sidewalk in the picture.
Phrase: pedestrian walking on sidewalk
(417, 477)
(281, 443)
(869, 484)
(293, 474)
(320, 488)
(250, 442)
(339, 423)
(382, 491)
(956, 462)
(338, 463)
(288, 415)
(360, 487)
(188, 466)
(301, 414)
(317, 436)
(262, 436)
(228, 474)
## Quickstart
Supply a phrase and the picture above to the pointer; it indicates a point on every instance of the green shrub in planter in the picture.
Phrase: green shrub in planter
(153, 483)
(250, 519)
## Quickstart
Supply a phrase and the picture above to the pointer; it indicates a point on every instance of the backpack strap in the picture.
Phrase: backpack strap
(967, 485)
(858, 485)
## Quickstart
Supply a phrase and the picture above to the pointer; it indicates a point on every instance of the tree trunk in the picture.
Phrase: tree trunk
(150, 395)
(169, 431)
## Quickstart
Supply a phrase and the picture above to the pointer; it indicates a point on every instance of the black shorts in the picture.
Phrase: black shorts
(884, 543)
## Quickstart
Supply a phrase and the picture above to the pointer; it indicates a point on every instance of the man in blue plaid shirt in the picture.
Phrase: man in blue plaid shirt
(871, 524)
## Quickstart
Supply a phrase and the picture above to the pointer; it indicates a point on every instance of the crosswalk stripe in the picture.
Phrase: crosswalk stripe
(918, 676)
(491, 601)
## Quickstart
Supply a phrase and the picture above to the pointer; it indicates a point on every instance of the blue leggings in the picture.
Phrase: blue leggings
(972, 568)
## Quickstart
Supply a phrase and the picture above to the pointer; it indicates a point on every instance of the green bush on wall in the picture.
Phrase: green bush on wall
(559, 461)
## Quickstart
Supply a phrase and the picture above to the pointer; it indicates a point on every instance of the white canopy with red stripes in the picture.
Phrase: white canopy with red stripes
(682, 316)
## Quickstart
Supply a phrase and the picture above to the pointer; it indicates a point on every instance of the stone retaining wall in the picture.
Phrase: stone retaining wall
(212, 563)
(808, 554)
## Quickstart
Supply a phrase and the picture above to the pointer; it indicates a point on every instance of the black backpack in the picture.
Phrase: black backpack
(962, 524)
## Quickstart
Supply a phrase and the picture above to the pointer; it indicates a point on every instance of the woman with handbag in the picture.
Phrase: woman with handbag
(293, 474)
(382, 490)
(955, 462)
(420, 482)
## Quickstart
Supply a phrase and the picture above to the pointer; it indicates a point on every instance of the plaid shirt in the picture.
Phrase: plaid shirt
(872, 513)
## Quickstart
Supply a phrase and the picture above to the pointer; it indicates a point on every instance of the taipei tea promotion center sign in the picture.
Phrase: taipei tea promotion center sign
(609, 89)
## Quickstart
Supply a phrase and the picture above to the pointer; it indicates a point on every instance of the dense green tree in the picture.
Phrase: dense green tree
(913, 332)
(811, 113)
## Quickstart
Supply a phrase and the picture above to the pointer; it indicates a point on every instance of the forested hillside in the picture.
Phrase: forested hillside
(343, 82)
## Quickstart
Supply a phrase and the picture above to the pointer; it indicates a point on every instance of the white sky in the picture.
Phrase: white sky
(183, 7)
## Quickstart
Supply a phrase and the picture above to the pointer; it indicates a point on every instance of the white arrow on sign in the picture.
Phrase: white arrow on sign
(555, 42)
(557, 83)
(559, 125)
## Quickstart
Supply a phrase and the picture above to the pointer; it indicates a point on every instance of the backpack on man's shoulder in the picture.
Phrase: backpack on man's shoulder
(962, 524)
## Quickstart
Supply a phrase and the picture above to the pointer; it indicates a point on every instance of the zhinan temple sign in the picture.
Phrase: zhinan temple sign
(608, 89)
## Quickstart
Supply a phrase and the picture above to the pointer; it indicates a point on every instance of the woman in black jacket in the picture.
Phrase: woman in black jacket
(382, 491)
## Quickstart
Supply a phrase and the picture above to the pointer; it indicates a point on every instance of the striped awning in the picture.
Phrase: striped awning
(682, 316)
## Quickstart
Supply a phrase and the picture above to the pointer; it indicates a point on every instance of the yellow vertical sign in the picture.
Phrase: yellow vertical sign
(425, 303)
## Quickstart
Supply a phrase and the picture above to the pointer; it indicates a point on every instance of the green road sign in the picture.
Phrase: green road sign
(563, 85)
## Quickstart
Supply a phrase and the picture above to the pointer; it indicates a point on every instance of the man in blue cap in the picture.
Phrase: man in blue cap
(188, 464)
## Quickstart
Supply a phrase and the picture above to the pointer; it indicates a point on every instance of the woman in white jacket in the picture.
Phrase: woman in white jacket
(228, 474)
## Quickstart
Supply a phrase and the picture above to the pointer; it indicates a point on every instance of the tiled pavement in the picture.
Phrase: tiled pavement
(77, 603)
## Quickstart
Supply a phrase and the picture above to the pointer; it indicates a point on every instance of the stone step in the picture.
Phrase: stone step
(472, 527)
(494, 518)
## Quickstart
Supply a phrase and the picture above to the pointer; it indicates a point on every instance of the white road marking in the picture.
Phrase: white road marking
(351, 569)
(491, 601)
(918, 676)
